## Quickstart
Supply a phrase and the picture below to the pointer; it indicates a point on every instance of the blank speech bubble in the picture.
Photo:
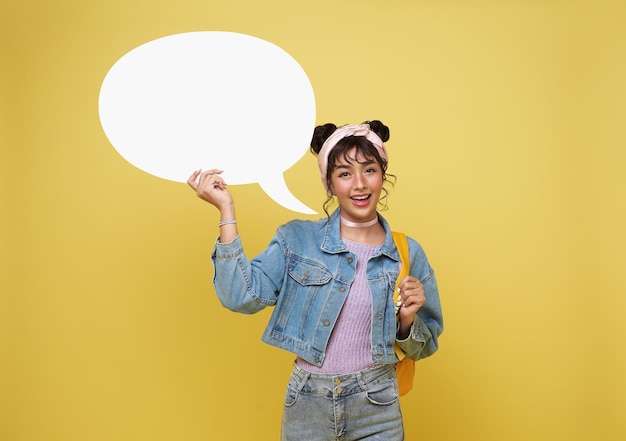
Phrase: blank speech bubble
(211, 100)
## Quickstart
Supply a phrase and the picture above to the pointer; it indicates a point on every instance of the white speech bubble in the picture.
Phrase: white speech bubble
(211, 100)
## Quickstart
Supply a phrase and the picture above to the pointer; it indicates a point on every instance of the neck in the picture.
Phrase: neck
(370, 233)
(348, 223)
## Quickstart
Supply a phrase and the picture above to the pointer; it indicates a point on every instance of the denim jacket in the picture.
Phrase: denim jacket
(305, 274)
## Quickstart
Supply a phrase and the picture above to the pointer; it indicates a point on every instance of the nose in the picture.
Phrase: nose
(359, 181)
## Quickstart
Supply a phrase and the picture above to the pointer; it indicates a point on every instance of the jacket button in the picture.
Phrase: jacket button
(326, 323)
(350, 260)
(342, 288)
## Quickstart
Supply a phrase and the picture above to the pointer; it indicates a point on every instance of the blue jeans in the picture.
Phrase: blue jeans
(359, 406)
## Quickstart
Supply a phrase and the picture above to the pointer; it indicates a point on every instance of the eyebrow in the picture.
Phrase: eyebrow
(348, 165)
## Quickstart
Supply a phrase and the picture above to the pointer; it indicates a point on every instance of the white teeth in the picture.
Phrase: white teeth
(360, 198)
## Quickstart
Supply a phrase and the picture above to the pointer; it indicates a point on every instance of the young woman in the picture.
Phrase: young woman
(331, 283)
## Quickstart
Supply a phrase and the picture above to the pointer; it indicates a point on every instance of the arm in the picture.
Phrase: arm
(241, 285)
(420, 317)
(248, 286)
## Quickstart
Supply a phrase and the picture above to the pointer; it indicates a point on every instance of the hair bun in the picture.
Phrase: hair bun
(320, 135)
(379, 128)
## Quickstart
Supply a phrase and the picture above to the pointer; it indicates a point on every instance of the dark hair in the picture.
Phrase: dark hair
(344, 145)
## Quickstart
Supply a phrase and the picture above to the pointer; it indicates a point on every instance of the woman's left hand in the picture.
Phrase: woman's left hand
(412, 298)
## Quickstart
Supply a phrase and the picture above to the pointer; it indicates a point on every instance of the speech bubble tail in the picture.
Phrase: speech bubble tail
(277, 189)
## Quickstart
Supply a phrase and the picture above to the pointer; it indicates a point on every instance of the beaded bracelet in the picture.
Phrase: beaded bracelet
(226, 222)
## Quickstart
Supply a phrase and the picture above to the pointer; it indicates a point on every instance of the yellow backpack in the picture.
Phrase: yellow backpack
(405, 368)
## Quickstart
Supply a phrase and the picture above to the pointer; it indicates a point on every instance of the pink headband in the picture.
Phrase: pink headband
(343, 132)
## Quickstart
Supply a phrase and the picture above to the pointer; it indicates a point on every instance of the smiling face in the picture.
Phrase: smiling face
(357, 182)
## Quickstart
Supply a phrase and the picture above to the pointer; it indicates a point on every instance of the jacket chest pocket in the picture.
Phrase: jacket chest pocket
(309, 273)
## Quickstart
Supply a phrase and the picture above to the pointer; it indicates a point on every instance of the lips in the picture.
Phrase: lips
(360, 199)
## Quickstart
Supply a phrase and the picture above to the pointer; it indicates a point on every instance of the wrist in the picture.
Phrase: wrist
(227, 212)
(404, 328)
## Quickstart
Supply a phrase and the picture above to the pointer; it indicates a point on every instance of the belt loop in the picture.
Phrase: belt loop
(302, 377)
(362, 384)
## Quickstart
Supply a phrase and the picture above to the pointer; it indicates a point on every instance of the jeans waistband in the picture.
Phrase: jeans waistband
(341, 384)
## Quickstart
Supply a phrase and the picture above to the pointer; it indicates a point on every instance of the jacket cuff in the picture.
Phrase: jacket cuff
(227, 250)
(412, 345)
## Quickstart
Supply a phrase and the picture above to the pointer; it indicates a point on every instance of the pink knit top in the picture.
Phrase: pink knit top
(349, 349)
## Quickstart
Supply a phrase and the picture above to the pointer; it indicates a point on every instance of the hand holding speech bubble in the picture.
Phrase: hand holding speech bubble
(211, 100)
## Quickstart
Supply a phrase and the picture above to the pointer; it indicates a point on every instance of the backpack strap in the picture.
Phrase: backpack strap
(403, 249)
(405, 368)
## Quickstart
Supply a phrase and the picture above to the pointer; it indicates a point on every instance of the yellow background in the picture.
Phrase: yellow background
(508, 140)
